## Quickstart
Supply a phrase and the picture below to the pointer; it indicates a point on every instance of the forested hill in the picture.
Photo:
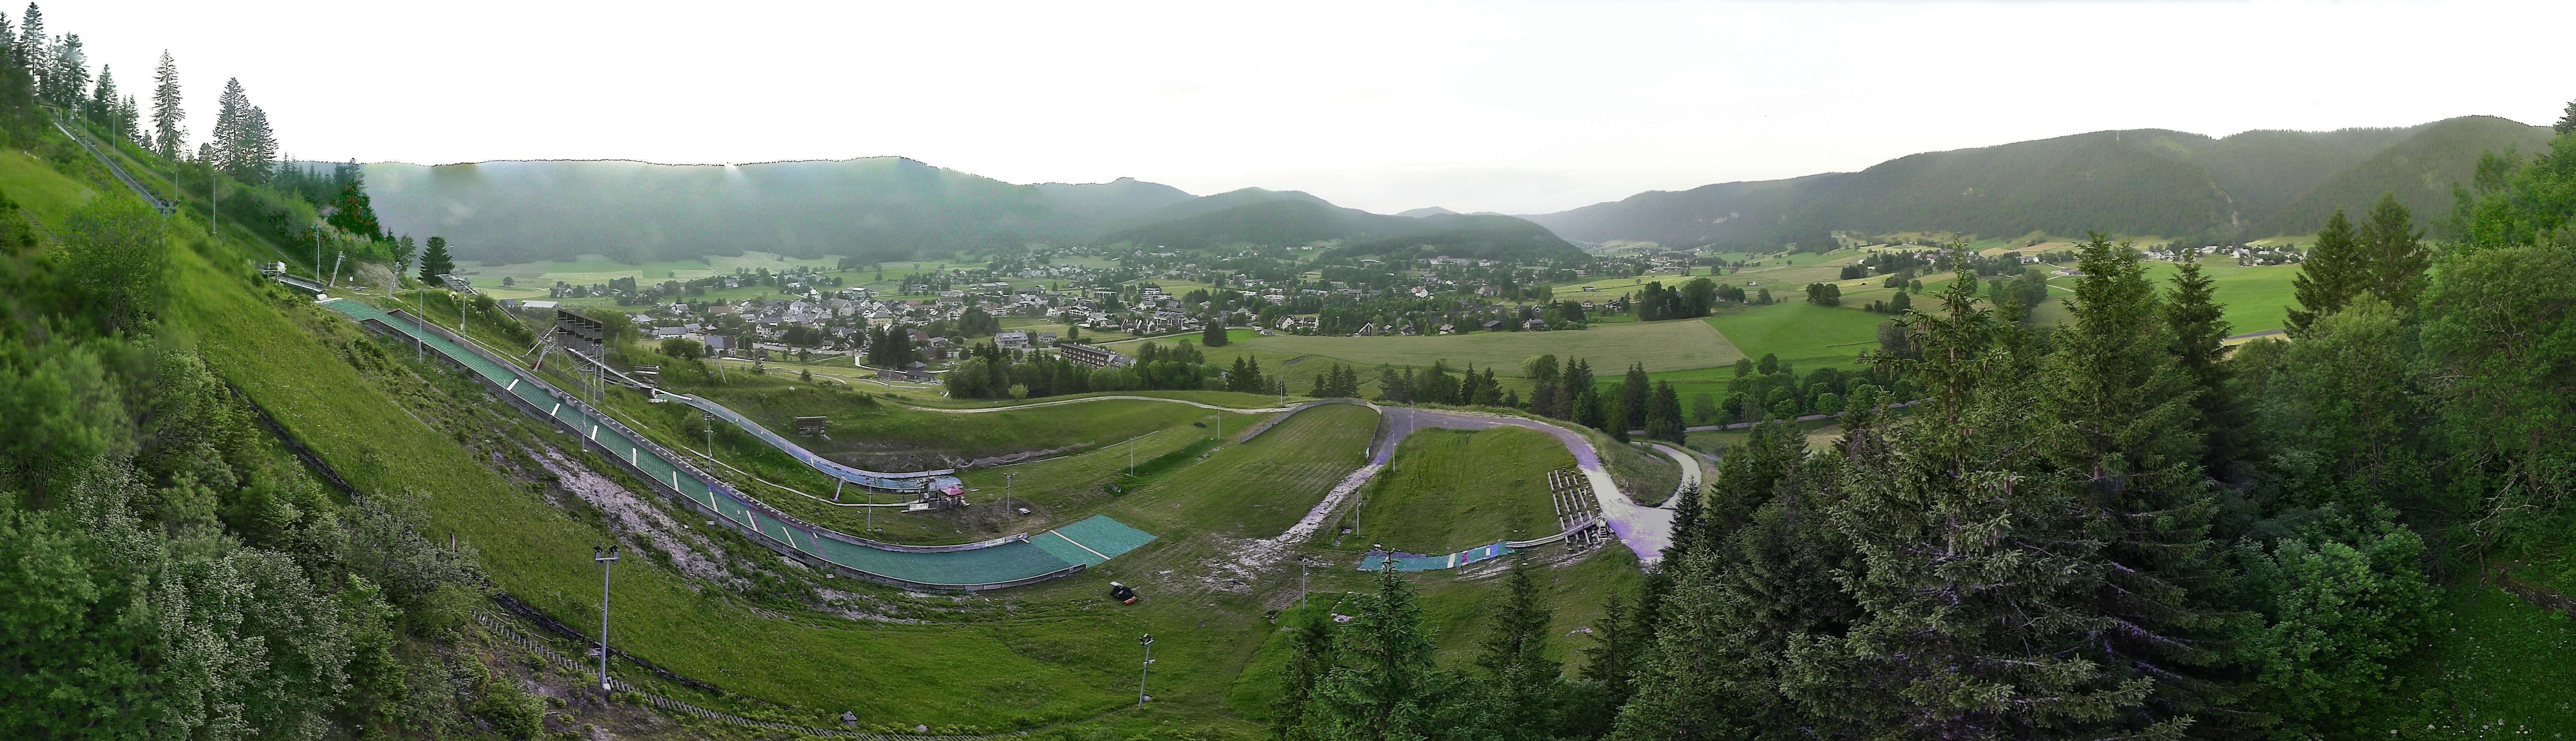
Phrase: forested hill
(878, 207)
(2146, 182)
(1267, 217)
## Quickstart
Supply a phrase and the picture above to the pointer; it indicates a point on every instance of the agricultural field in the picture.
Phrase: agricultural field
(1448, 490)
(1669, 345)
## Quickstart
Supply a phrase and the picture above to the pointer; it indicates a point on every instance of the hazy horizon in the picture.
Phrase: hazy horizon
(1509, 107)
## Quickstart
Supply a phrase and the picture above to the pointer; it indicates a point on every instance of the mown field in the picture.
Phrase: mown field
(1662, 346)
(1449, 490)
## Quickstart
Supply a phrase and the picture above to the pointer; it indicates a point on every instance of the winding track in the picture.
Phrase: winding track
(1645, 530)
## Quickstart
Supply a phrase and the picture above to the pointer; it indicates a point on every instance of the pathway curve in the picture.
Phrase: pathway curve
(1690, 470)
(1645, 530)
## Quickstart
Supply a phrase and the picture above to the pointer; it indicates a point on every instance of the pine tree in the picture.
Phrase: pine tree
(2329, 276)
(1388, 686)
(101, 106)
(1313, 643)
(435, 261)
(1618, 647)
(1973, 575)
(2392, 252)
(167, 133)
(1635, 395)
(2196, 331)
(2566, 123)
(1664, 414)
(1521, 682)
(2118, 415)
(67, 79)
(35, 49)
(232, 109)
(257, 152)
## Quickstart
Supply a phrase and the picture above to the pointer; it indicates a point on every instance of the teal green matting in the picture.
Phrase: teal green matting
(1110, 537)
(1409, 562)
(1037, 556)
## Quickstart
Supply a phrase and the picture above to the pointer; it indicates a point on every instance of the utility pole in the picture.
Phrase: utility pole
(1006, 494)
(604, 560)
(1148, 670)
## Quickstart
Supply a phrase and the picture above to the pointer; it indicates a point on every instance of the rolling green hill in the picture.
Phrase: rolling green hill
(2252, 184)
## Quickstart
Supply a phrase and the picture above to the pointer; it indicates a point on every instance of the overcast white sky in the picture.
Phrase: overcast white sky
(1514, 107)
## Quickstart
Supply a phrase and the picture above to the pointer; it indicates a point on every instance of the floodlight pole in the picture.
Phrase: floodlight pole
(604, 562)
(1146, 671)
(1006, 494)
(711, 436)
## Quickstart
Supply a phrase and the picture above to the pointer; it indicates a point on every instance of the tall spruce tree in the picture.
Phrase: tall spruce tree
(1313, 657)
(1635, 395)
(2196, 335)
(33, 46)
(232, 111)
(2329, 276)
(1667, 406)
(1521, 682)
(168, 135)
(1388, 687)
(1972, 571)
(1619, 645)
(2392, 252)
(2118, 423)
(435, 261)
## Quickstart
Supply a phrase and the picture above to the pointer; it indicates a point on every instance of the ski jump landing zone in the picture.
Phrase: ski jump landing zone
(1002, 562)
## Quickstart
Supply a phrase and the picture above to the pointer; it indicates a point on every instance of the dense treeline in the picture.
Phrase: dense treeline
(171, 572)
(2186, 186)
(990, 372)
(2112, 528)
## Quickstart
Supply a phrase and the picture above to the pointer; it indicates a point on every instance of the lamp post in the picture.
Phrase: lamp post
(604, 560)
(1148, 642)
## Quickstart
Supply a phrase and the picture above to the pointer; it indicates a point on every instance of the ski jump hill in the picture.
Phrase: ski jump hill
(1011, 560)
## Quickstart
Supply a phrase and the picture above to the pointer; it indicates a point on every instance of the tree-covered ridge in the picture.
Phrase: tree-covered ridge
(1297, 221)
(876, 208)
(2151, 182)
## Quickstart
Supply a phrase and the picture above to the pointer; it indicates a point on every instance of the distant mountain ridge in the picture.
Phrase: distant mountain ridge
(871, 208)
(1281, 218)
(2140, 182)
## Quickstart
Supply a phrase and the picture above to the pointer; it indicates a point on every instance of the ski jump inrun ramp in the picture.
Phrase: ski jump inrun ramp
(1002, 562)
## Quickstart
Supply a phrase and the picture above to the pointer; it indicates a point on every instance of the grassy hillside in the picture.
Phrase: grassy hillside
(1448, 490)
